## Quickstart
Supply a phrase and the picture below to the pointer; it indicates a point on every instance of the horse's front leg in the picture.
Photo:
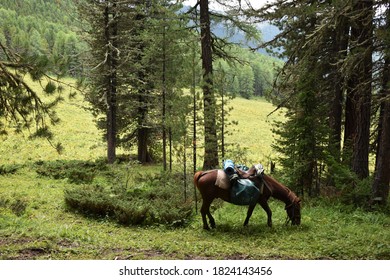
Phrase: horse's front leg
(264, 205)
(249, 214)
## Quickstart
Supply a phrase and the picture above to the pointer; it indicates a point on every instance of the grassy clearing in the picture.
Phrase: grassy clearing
(254, 128)
(42, 227)
(35, 222)
(76, 132)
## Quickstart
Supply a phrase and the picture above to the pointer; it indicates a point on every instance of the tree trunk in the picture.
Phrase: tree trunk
(364, 32)
(111, 32)
(336, 112)
(143, 153)
(358, 105)
(211, 141)
(380, 187)
(164, 95)
(142, 130)
(350, 122)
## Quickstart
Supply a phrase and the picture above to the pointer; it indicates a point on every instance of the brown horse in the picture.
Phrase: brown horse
(205, 182)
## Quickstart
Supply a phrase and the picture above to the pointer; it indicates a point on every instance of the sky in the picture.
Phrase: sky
(255, 3)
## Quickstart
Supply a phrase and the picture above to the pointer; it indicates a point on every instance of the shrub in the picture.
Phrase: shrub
(15, 202)
(156, 199)
(9, 169)
(78, 172)
(90, 200)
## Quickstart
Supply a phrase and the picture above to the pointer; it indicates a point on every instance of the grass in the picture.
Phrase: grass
(76, 132)
(254, 128)
(46, 229)
(35, 222)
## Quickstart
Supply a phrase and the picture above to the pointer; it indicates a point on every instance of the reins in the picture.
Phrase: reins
(293, 201)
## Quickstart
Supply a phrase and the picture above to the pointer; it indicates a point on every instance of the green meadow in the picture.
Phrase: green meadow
(36, 223)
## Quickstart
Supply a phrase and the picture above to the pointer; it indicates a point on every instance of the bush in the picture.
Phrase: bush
(15, 202)
(90, 200)
(78, 172)
(9, 169)
(155, 199)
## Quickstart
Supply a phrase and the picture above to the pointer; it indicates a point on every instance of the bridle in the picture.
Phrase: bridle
(293, 205)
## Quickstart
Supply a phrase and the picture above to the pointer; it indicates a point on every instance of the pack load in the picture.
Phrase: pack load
(242, 191)
(229, 168)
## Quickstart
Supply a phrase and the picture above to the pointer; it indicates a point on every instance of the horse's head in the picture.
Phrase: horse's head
(294, 212)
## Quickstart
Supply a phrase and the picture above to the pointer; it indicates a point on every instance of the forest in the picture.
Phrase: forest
(108, 108)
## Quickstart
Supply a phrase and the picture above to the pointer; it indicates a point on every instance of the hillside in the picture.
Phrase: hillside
(76, 132)
(254, 130)
(81, 139)
(43, 28)
(50, 31)
(35, 222)
(49, 11)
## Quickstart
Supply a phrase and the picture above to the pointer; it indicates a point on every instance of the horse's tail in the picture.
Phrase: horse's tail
(197, 175)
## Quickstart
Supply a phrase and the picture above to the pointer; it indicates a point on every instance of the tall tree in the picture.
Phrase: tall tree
(339, 49)
(380, 186)
(102, 19)
(213, 47)
(210, 135)
(302, 88)
(166, 54)
(360, 85)
(111, 15)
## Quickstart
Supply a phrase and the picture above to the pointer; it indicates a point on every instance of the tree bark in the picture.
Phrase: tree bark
(111, 32)
(358, 107)
(142, 129)
(380, 187)
(362, 140)
(336, 112)
(211, 141)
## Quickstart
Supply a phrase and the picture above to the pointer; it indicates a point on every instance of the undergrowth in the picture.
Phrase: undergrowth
(76, 171)
(146, 200)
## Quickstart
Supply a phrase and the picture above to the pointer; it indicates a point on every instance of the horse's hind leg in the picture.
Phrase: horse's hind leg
(264, 205)
(249, 214)
(205, 211)
(211, 219)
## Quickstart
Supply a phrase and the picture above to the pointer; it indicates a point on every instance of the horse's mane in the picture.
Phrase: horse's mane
(273, 181)
(280, 187)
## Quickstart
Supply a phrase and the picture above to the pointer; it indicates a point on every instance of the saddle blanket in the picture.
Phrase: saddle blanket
(222, 180)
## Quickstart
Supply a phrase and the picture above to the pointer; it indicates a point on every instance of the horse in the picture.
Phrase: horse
(205, 181)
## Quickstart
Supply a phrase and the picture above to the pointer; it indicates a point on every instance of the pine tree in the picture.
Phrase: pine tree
(21, 107)
(140, 75)
(213, 47)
